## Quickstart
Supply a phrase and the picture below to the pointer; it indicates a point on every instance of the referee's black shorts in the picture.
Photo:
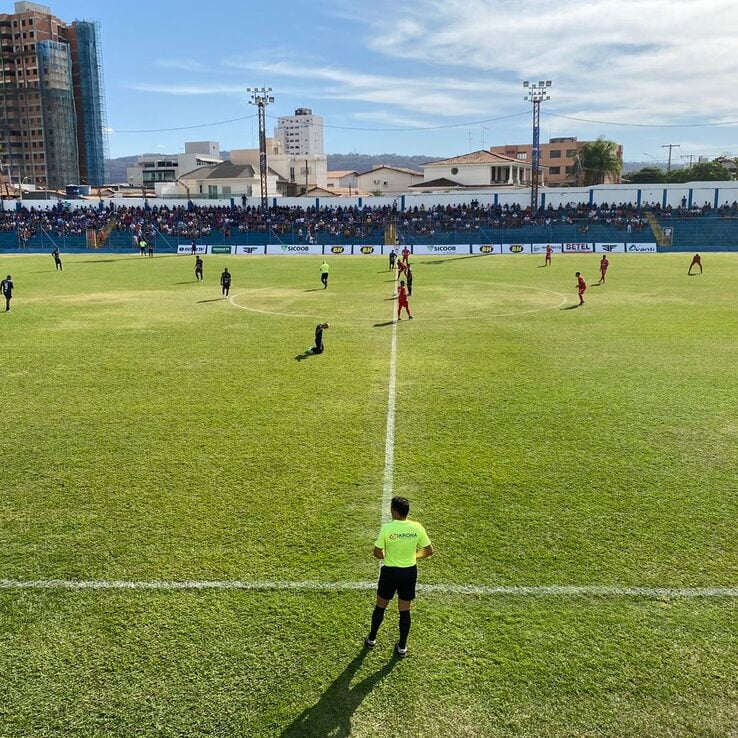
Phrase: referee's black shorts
(400, 579)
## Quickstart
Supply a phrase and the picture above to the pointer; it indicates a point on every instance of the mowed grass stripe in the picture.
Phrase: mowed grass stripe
(313, 586)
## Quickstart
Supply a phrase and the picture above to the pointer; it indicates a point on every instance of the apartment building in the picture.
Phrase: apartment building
(558, 156)
(300, 134)
(153, 168)
(52, 113)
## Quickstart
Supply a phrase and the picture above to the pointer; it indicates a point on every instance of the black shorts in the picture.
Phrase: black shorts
(400, 579)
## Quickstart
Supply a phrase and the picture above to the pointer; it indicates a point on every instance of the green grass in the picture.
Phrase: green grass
(154, 431)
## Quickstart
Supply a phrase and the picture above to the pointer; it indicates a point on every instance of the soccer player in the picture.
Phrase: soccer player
(57, 259)
(194, 247)
(581, 287)
(225, 282)
(324, 269)
(409, 278)
(392, 259)
(319, 348)
(549, 254)
(402, 268)
(604, 263)
(406, 255)
(402, 301)
(151, 249)
(198, 269)
(696, 261)
(6, 287)
(142, 246)
(400, 544)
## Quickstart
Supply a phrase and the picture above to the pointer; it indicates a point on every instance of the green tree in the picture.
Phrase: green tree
(647, 175)
(596, 160)
(704, 171)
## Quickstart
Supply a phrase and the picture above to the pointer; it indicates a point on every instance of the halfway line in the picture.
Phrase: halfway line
(315, 586)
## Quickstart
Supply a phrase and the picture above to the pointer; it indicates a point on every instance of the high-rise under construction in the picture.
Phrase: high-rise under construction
(52, 105)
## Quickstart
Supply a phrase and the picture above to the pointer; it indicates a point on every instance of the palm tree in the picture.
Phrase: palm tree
(596, 160)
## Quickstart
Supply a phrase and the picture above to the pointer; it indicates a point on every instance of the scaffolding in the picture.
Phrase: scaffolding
(89, 96)
(58, 110)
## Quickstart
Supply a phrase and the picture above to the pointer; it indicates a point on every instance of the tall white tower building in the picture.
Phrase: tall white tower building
(300, 134)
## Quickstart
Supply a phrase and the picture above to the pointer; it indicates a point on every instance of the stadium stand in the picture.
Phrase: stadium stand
(168, 227)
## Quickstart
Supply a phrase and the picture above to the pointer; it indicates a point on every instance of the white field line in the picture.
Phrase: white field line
(316, 586)
(389, 440)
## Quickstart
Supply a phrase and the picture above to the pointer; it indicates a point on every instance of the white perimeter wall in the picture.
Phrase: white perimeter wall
(702, 192)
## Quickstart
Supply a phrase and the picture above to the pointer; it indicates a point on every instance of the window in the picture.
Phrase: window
(522, 155)
(571, 153)
(454, 170)
(226, 190)
(554, 170)
(569, 170)
(555, 154)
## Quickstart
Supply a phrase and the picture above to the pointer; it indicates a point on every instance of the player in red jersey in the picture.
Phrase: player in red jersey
(406, 255)
(549, 253)
(401, 268)
(581, 287)
(402, 301)
(604, 263)
(696, 261)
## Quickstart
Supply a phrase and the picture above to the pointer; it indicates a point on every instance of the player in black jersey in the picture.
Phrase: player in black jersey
(6, 287)
(225, 282)
(198, 269)
(57, 259)
(319, 348)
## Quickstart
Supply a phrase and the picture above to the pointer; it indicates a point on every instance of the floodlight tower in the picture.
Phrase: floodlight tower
(536, 93)
(261, 98)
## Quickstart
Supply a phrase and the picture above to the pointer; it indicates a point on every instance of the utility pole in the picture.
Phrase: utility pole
(688, 156)
(261, 98)
(536, 93)
(670, 147)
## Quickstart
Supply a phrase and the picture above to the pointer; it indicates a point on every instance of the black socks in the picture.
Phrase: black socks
(377, 618)
(404, 627)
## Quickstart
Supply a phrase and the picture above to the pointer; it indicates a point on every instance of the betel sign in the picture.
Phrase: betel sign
(578, 248)
(642, 248)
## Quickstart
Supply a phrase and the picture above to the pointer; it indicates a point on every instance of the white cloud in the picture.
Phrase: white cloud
(441, 95)
(626, 60)
(185, 65)
(189, 89)
(391, 119)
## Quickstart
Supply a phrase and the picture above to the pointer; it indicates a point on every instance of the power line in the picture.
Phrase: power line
(645, 125)
(185, 128)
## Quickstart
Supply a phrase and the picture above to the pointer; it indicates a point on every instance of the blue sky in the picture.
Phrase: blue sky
(419, 64)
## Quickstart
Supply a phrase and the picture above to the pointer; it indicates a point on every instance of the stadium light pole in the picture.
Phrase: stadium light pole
(536, 93)
(261, 98)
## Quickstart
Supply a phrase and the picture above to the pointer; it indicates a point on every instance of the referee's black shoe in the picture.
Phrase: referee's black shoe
(369, 643)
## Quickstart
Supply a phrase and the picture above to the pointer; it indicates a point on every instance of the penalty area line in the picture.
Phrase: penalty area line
(317, 586)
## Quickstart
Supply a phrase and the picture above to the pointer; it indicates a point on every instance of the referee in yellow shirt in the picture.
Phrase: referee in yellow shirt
(401, 543)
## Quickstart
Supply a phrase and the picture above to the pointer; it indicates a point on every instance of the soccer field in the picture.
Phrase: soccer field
(157, 437)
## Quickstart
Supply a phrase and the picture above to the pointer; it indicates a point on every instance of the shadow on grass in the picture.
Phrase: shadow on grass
(382, 325)
(456, 258)
(571, 307)
(315, 289)
(214, 299)
(306, 355)
(189, 281)
(331, 714)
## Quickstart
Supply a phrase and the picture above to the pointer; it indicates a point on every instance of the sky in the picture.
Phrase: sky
(447, 73)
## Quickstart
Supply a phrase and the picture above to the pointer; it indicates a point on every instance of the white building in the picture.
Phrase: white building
(342, 179)
(300, 134)
(153, 168)
(478, 169)
(388, 180)
(297, 174)
(223, 180)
